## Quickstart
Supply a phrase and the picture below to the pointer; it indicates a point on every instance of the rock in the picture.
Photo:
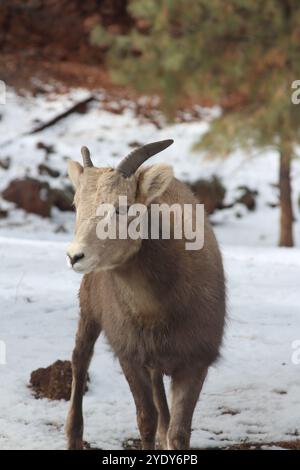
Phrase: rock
(53, 382)
(5, 163)
(63, 198)
(3, 213)
(48, 148)
(248, 197)
(211, 193)
(134, 144)
(46, 170)
(37, 197)
(60, 229)
(32, 195)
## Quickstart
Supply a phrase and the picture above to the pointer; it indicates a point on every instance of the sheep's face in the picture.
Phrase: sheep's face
(97, 201)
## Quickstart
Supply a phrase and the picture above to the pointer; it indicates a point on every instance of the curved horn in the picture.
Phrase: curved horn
(131, 163)
(86, 157)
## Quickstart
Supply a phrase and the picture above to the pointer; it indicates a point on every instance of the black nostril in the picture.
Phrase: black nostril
(76, 258)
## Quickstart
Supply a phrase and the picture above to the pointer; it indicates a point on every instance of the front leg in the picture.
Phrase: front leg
(87, 334)
(139, 380)
(161, 403)
(186, 387)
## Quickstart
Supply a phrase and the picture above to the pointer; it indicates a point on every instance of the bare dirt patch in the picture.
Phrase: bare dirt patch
(53, 382)
(135, 444)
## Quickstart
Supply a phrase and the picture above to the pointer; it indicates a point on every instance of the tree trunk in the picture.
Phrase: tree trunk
(286, 208)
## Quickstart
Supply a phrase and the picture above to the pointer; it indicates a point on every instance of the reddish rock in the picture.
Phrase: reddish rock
(32, 195)
(47, 170)
(211, 193)
(42, 146)
(248, 197)
(3, 213)
(63, 199)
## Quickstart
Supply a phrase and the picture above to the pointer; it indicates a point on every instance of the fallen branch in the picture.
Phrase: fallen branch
(76, 108)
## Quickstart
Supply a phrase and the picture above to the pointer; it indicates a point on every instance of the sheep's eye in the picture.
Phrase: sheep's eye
(122, 210)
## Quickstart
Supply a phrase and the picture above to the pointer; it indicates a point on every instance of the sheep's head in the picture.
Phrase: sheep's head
(98, 188)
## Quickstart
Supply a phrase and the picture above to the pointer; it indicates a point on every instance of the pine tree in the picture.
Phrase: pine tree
(243, 55)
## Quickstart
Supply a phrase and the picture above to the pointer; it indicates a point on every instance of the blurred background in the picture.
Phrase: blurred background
(217, 78)
(222, 80)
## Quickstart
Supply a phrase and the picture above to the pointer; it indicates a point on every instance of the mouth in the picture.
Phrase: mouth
(88, 265)
(81, 267)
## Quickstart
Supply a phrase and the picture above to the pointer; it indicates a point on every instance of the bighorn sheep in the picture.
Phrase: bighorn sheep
(161, 307)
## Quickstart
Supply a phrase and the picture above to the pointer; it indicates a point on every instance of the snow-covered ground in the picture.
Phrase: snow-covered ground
(252, 394)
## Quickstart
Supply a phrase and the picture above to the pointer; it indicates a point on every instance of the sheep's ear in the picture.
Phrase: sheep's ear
(74, 171)
(153, 181)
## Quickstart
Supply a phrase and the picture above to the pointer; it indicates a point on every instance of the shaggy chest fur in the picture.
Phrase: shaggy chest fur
(163, 335)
